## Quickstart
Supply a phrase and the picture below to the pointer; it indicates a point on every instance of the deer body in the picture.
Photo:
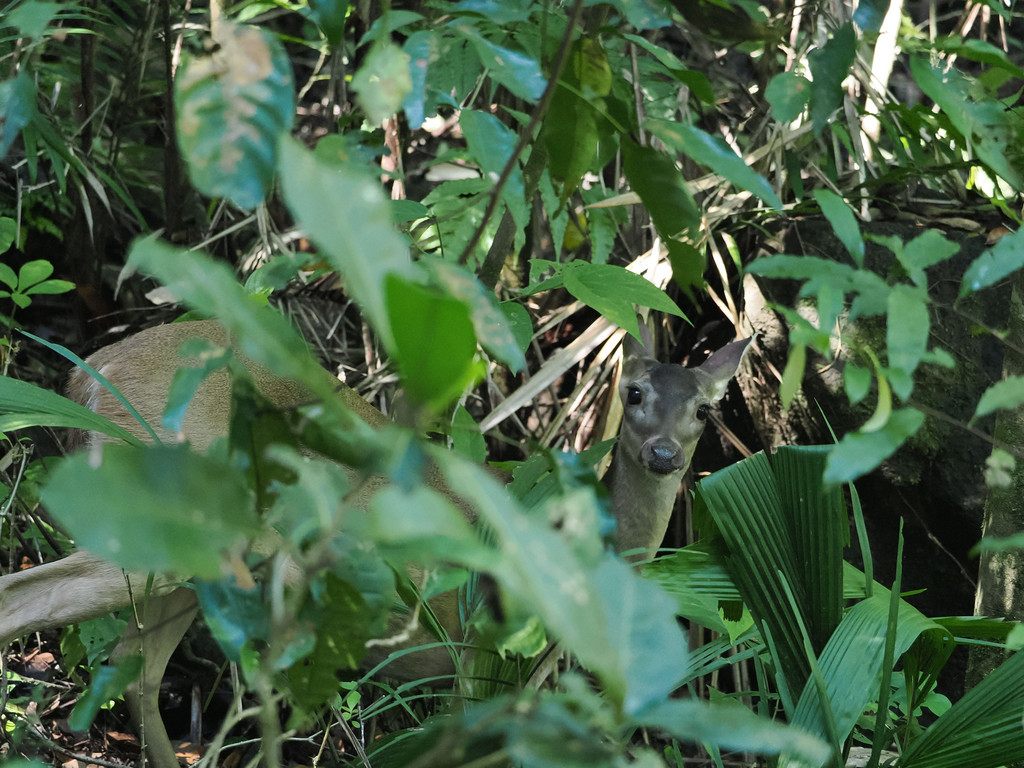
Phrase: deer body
(664, 411)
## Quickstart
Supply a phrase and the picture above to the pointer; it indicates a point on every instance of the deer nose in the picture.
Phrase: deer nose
(662, 456)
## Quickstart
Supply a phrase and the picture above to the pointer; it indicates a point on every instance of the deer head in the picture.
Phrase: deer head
(665, 408)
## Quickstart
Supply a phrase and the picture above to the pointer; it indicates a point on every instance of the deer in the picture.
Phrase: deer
(665, 409)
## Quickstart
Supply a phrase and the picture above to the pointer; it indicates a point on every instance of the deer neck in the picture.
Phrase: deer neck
(642, 502)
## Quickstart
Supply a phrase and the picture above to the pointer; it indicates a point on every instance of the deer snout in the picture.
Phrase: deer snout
(661, 455)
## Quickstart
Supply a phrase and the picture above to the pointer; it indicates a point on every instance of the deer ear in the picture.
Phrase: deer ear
(723, 364)
(642, 348)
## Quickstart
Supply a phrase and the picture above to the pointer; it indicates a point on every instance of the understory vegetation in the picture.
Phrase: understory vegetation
(460, 207)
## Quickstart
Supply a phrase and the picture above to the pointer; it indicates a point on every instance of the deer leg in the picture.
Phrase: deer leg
(76, 588)
(164, 620)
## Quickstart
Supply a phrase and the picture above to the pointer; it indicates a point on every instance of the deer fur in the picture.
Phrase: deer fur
(665, 407)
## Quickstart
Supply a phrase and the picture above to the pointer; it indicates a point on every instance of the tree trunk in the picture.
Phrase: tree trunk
(1001, 574)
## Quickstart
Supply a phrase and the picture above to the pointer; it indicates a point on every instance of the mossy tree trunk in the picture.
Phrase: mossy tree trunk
(1001, 574)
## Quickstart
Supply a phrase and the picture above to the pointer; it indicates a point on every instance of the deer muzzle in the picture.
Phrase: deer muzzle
(662, 455)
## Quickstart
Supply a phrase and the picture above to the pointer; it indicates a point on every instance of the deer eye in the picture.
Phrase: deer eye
(702, 411)
(633, 395)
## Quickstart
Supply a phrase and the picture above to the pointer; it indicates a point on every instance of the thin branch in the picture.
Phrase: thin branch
(527, 135)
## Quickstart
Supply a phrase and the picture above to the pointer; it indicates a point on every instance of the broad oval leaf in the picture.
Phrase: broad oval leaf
(906, 333)
(330, 16)
(492, 325)
(383, 82)
(340, 618)
(232, 107)
(1003, 395)
(235, 616)
(843, 222)
(33, 272)
(515, 70)
(491, 144)
(519, 323)
(571, 136)
(830, 65)
(613, 290)
(422, 49)
(927, 249)
(161, 509)
(647, 646)
(108, 682)
(788, 93)
(999, 261)
(435, 344)
(860, 452)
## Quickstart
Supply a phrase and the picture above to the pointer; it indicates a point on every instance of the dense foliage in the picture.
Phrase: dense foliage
(533, 150)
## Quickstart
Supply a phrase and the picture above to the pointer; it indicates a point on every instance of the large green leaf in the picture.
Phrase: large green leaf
(610, 289)
(788, 93)
(613, 291)
(982, 730)
(491, 144)
(383, 81)
(784, 534)
(830, 64)
(620, 626)
(1003, 395)
(330, 16)
(232, 108)
(339, 614)
(570, 134)
(851, 663)
(424, 321)
(235, 616)
(927, 249)
(108, 682)
(495, 325)
(661, 186)
(906, 332)
(732, 727)
(517, 71)
(346, 214)
(186, 508)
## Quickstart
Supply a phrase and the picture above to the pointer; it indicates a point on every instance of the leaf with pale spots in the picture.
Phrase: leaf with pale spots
(232, 108)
